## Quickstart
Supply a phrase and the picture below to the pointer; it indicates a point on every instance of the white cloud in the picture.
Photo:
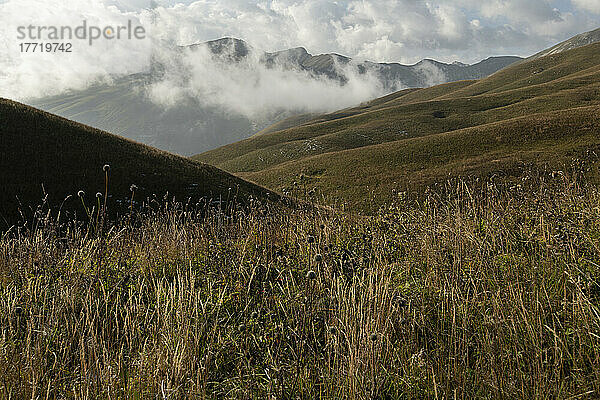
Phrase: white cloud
(431, 73)
(588, 5)
(251, 89)
(379, 30)
(528, 11)
(34, 74)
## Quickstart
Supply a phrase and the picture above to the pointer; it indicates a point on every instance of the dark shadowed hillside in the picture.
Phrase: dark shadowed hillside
(43, 153)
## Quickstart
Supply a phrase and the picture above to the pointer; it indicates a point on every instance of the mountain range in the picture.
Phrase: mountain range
(195, 124)
(393, 76)
(543, 111)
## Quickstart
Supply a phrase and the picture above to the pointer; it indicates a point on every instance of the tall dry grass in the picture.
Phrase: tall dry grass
(482, 292)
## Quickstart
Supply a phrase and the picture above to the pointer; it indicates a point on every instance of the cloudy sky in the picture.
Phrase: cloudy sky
(379, 30)
(383, 30)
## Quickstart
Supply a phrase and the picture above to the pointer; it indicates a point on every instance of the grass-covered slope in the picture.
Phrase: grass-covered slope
(545, 108)
(493, 294)
(41, 153)
(365, 177)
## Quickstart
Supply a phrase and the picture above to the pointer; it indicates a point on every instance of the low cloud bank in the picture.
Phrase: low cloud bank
(251, 88)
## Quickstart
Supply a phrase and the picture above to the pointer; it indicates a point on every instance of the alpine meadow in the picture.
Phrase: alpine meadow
(436, 237)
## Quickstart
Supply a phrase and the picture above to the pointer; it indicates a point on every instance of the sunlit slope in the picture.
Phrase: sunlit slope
(559, 91)
(574, 82)
(364, 178)
(43, 153)
(402, 97)
(579, 61)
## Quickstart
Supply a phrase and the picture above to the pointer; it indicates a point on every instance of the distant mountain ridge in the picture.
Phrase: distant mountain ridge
(192, 127)
(393, 76)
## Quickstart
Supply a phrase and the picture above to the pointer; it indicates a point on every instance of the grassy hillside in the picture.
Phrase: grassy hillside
(470, 289)
(491, 294)
(407, 95)
(365, 177)
(287, 123)
(371, 148)
(45, 153)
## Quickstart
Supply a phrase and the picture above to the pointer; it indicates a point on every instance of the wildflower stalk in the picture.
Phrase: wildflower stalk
(106, 169)
(81, 195)
(132, 188)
